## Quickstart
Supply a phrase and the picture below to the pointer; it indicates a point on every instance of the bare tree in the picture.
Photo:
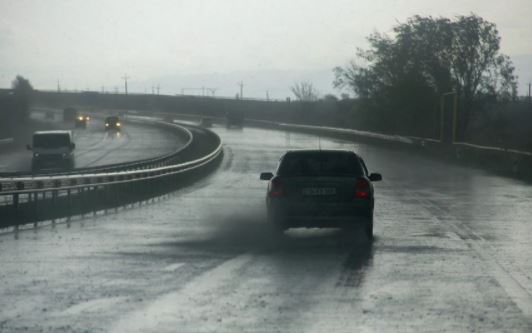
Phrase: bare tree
(22, 92)
(305, 91)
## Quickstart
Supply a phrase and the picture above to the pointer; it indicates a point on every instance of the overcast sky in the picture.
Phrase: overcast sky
(90, 44)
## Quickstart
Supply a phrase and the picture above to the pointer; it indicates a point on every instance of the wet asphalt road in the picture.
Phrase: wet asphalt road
(451, 254)
(96, 147)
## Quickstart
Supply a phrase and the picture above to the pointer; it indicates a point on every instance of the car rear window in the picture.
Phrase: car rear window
(320, 164)
(51, 140)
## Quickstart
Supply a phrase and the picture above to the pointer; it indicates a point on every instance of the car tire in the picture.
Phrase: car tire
(277, 227)
(368, 230)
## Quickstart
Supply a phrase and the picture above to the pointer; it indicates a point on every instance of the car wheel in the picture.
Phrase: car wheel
(276, 226)
(368, 230)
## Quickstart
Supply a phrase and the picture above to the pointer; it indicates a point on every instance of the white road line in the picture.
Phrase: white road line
(91, 306)
(173, 267)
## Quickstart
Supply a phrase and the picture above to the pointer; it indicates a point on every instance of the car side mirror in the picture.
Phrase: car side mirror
(28, 147)
(72, 146)
(266, 176)
(375, 177)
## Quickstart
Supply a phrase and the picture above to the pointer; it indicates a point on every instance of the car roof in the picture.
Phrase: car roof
(52, 132)
(320, 151)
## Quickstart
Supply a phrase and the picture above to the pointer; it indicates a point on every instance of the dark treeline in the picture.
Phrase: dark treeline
(504, 123)
(14, 106)
(404, 80)
(327, 112)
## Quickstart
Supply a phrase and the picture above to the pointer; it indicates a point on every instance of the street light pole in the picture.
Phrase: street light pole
(241, 84)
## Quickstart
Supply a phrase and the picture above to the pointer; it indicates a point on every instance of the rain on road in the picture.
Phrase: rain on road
(451, 253)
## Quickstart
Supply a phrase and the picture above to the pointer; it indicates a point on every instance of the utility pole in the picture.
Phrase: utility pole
(241, 84)
(158, 88)
(267, 95)
(125, 77)
(59, 87)
(529, 90)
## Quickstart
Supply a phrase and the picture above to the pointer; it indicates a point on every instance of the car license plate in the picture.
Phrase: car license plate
(319, 191)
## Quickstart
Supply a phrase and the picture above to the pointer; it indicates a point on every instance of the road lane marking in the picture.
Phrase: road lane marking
(173, 267)
(98, 304)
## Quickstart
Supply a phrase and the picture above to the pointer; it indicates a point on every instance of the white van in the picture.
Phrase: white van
(52, 149)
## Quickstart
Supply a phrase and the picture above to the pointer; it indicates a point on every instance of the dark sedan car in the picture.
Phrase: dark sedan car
(321, 188)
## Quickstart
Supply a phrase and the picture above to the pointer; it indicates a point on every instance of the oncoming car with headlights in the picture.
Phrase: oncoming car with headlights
(81, 121)
(52, 149)
(321, 188)
(113, 123)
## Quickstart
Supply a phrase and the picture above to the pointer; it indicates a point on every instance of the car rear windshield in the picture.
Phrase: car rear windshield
(51, 140)
(320, 164)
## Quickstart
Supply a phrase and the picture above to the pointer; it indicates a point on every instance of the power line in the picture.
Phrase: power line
(203, 89)
(212, 90)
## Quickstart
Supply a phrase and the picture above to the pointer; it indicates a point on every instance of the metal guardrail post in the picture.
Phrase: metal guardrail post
(54, 205)
(69, 207)
(16, 210)
(35, 208)
(116, 196)
(94, 209)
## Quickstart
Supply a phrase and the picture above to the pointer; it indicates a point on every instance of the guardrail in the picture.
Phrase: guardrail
(6, 141)
(507, 161)
(28, 199)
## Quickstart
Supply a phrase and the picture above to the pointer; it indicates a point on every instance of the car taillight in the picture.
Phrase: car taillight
(362, 188)
(275, 188)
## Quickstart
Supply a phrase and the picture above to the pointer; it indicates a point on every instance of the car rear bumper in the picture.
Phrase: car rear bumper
(322, 222)
(291, 214)
(52, 162)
